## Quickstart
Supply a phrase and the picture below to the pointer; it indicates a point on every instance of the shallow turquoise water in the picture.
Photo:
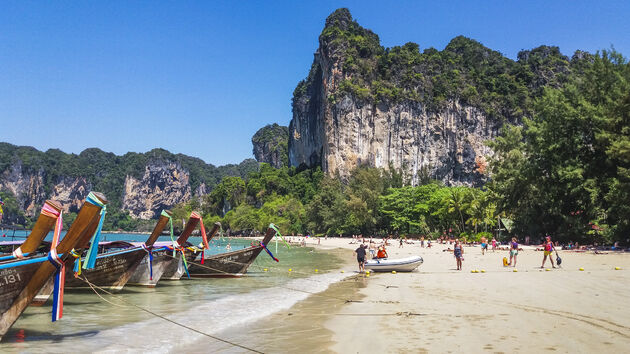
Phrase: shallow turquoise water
(210, 305)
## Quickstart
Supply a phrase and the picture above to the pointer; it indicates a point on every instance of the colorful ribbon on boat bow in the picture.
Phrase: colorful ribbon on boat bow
(90, 258)
(203, 235)
(77, 263)
(46, 210)
(60, 274)
(268, 251)
(279, 234)
(150, 262)
(170, 221)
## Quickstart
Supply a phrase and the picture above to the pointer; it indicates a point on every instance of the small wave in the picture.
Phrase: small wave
(158, 336)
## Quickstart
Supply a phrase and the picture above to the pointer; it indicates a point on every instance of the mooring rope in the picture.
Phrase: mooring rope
(94, 287)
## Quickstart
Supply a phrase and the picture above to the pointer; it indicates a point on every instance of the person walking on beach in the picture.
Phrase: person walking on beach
(401, 243)
(549, 248)
(372, 249)
(422, 241)
(484, 245)
(361, 257)
(458, 252)
(513, 251)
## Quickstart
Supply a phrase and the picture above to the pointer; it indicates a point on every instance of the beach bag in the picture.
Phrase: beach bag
(505, 261)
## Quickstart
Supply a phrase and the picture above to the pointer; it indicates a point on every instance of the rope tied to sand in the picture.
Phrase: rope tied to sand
(94, 288)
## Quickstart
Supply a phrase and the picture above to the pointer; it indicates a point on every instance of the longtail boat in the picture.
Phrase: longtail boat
(23, 278)
(177, 269)
(117, 261)
(113, 268)
(152, 267)
(44, 224)
(229, 264)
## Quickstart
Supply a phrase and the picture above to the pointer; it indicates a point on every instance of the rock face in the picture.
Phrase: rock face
(71, 192)
(271, 145)
(26, 186)
(339, 130)
(449, 143)
(163, 185)
(142, 184)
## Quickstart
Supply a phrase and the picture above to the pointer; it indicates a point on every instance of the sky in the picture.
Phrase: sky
(200, 78)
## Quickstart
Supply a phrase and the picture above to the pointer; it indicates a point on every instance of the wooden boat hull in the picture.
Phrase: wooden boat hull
(175, 269)
(109, 272)
(229, 264)
(142, 275)
(12, 281)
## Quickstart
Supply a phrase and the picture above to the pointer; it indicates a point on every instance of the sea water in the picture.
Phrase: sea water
(140, 318)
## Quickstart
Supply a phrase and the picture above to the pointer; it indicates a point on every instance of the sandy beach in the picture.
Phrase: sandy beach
(439, 309)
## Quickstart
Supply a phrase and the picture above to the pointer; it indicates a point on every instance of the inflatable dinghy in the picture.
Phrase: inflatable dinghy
(400, 264)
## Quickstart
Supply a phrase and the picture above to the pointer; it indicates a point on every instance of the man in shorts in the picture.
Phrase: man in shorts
(361, 257)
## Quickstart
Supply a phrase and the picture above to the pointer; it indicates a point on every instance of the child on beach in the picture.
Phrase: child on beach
(484, 245)
(361, 257)
(549, 248)
(458, 252)
(513, 251)
(494, 244)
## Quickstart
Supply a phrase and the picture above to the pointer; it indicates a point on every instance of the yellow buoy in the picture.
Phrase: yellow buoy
(343, 271)
(483, 270)
(617, 268)
(581, 269)
(472, 270)
(265, 269)
(547, 269)
(290, 269)
(316, 270)
(393, 272)
(367, 274)
(515, 270)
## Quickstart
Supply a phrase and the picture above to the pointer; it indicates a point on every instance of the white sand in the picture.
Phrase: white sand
(439, 309)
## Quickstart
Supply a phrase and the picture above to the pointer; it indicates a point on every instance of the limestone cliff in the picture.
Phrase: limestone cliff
(163, 185)
(140, 184)
(424, 113)
(26, 186)
(271, 145)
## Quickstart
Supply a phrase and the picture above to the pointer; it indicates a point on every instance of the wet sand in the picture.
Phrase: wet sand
(439, 309)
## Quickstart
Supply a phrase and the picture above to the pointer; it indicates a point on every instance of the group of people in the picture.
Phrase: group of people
(548, 247)
(378, 252)
(375, 253)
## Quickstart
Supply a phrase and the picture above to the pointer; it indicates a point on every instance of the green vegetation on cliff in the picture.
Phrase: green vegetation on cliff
(464, 71)
(271, 145)
(106, 172)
